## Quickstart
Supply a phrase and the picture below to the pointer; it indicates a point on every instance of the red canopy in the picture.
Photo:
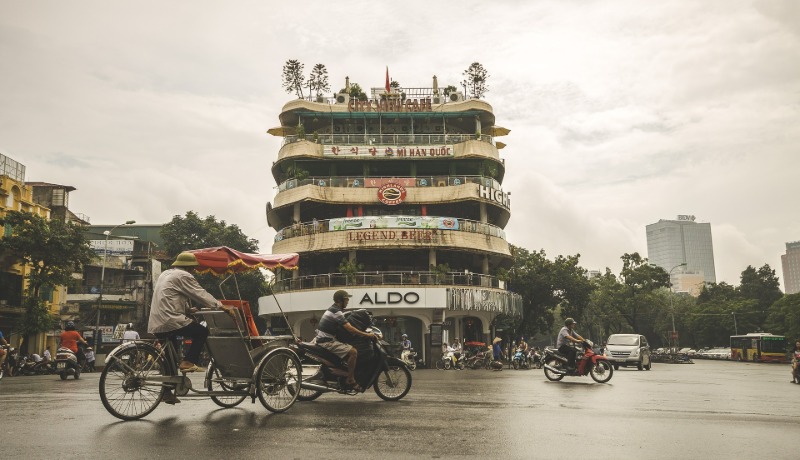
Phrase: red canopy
(222, 260)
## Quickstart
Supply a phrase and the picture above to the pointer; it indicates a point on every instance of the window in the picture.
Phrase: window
(59, 197)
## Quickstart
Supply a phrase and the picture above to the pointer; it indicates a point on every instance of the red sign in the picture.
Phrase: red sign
(391, 194)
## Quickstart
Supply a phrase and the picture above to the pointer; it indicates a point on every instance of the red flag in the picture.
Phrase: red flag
(388, 86)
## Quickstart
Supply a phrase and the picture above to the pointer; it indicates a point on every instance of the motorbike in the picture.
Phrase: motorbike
(796, 370)
(480, 360)
(67, 364)
(596, 365)
(8, 364)
(409, 357)
(450, 360)
(519, 360)
(388, 376)
(535, 359)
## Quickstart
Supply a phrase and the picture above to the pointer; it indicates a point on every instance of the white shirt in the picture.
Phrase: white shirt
(171, 295)
(130, 336)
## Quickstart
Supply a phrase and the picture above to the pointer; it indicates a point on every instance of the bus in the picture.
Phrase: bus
(759, 347)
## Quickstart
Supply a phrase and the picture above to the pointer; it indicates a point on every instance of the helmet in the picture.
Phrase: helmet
(69, 326)
(569, 321)
(340, 295)
(404, 336)
(185, 259)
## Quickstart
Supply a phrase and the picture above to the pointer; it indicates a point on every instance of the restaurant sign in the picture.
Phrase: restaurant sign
(402, 222)
(389, 151)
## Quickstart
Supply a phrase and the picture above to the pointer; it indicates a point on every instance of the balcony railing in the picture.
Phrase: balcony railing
(388, 278)
(389, 139)
(378, 181)
(341, 224)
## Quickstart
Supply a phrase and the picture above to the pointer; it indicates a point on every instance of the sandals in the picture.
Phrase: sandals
(355, 386)
(192, 368)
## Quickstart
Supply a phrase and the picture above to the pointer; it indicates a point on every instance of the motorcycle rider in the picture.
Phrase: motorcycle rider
(70, 338)
(454, 350)
(331, 320)
(2, 351)
(406, 344)
(566, 335)
(795, 361)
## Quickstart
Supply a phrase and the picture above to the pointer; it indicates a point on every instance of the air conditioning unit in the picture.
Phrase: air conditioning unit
(438, 100)
(456, 96)
(342, 98)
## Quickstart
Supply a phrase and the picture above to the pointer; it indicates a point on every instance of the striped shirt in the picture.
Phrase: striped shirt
(331, 321)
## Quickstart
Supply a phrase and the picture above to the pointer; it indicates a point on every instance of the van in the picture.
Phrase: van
(628, 350)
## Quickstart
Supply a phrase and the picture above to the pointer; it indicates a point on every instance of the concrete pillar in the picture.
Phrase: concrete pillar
(351, 255)
(484, 215)
(477, 124)
(431, 258)
(485, 265)
(296, 212)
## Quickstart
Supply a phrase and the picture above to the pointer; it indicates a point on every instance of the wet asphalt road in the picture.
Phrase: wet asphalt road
(709, 410)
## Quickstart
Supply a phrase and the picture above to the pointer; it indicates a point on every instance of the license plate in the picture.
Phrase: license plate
(61, 365)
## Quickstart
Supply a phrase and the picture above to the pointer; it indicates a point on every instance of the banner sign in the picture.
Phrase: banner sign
(115, 247)
(379, 222)
(387, 151)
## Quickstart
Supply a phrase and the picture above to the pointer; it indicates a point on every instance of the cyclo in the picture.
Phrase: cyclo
(243, 363)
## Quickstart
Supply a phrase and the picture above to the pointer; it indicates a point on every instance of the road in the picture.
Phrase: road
(709, 410)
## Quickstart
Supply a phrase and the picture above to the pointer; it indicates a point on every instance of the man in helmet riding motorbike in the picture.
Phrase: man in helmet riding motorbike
(169, 310)
(331, 321)
(566, 336)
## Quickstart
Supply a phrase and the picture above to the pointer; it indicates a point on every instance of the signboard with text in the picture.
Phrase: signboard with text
(389, 151)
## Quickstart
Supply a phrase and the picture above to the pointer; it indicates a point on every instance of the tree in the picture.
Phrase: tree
(763, 287)
(293, 79)
(192, 232)
(784, 317)
(641, 279)
(52, 250)
(475, 79)
(318, 80)
(355, 92)
(449, 89)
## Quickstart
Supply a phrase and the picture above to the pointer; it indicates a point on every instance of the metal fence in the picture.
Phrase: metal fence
(362, 181)
(389, 139)
(410, 278)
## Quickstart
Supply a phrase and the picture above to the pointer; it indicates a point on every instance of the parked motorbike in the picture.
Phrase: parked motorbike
(67, 364)
(450, 360)
(480, 360)
(591, 363)
(519, 360)
(388, 376)
(25, 365)
(409, 357)
(8, 364)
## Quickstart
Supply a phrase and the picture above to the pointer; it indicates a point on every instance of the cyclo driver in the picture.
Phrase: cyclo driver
(565, 335)
(331, 320)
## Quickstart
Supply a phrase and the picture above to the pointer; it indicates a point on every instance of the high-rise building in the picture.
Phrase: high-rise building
(397, 198)
(671, 243)
(791, 268)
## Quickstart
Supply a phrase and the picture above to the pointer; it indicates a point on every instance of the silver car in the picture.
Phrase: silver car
(628, 350)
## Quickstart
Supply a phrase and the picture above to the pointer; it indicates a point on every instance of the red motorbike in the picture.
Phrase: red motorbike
(555, 365)
(796, 370)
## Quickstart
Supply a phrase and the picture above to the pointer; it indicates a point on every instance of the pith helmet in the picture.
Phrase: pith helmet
(185, 259)
(340, 295)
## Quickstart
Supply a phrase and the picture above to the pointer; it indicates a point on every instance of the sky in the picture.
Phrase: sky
(621, 112)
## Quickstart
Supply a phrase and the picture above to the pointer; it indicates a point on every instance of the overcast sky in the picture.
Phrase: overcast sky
(621, 112)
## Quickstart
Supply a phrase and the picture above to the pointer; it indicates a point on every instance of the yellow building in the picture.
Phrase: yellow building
(16, 195)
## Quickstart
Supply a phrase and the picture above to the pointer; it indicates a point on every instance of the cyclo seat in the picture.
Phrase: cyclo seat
(322, 353)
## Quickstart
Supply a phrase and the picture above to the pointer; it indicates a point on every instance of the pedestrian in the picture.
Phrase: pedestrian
(315, 224)
(47, 356)
(90, 359)
(497, 348)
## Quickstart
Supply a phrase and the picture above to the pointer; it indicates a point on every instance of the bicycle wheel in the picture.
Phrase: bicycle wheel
(214, 382)
(278, 380)
(440, 364)
(394, 383)
(125, 390)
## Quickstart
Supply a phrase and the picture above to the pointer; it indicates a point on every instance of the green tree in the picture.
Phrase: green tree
(293, 79)
(449, 89)
(641, 280)
(192, 232)
(475, 79)
(356, 92)
(784, 317)
(763, 287)
(318, 80)
(53, 250)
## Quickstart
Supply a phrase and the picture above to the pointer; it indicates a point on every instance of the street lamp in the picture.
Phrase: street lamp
(671, 307)
(107, 233)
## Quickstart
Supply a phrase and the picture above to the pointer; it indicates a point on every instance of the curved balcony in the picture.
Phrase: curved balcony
(327, 280)
(382, 223)
(388, 139)
(376, 182)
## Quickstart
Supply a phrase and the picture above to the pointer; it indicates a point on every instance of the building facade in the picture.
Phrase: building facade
(790, 262)
(671, 243)
(398, 199)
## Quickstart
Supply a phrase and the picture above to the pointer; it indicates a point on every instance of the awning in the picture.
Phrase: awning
(496, 131)
(281, 131)
(222, 259)
(499, 145)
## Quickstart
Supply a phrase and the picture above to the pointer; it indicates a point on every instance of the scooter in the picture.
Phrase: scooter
(555, 367)
(519, 360)
(796, 370)
(388, 376)
(67, 364)
(410, 358)
(535, 359)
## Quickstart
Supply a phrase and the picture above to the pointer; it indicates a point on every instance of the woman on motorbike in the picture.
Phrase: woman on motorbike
(796, 362)
(70, 338)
